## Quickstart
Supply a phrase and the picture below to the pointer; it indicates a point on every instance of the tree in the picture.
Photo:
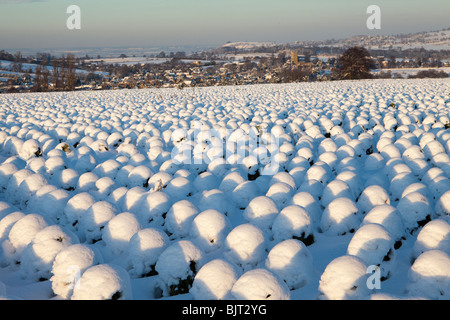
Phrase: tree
(56, 78)
(17, 63)
(70, 76)
(38, 80)
(354, 63)
(45, 74)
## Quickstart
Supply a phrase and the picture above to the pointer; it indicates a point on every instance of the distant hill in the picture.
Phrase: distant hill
(430, 40)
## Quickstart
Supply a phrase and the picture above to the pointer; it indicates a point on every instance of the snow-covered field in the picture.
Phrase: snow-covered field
(333, 190)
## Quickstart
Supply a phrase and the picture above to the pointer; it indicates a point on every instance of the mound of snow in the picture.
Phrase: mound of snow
(435, 235)
(387, 216)
(260, 284)
(103, 282)
(94, 220)
(68, 266)
(209, 230)
(293, 222)
(344, 278)
(429, 276)
(177, 266)
(372, 196)
(144, 249)
(153, 208)
(118, 232)
(245, 246)
(179, 218)
(340, 217)
(37, 258)
(261, 211)
(214, 281)
(415, 211)
(292, 262)
(23, 232)
(373, 244)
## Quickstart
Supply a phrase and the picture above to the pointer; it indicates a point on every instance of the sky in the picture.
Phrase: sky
(145, 23)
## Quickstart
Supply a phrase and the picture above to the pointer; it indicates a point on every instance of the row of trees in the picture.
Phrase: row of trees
(62, 76)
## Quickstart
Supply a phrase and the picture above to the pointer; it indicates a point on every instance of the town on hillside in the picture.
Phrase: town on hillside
(230, 64)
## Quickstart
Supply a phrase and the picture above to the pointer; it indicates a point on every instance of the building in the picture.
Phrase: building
(294, 59)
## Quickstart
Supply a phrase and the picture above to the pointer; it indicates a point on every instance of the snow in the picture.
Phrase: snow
(209, 230)
(292, 262)
(260, 284)
(262, 210)
(96, 204)
(339, 217)
(245, 246)
(144, 249)
(434, 235)
(103, 282)
(69, 264)
(37, 258)
(173, 276)
(373, 244)
(344, 278)
(429, 276)
(214, 280)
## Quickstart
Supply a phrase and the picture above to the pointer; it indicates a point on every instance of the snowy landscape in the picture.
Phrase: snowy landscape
(300, 191)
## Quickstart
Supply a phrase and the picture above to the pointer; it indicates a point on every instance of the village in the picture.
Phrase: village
(178, 70)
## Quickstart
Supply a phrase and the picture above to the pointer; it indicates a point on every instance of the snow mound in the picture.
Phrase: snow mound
(68, 266)
(144, 249)
(179, 218)
(415, 211)
(310, 204)
(293, 222)
(435, 235)
(23, 232)
(209, 230)
(260, 284)
(344, 278)
(95, 219)
(245, 246)
(152, 208)
(37, 258)
(372, 196)
(387, 216)
(292, 262)
(177, 266)
(214, 281)
(429, 276)
(373, 244)
(261, 211)
(75, 208)
(340, 217)
(103, 282)
(118, 232)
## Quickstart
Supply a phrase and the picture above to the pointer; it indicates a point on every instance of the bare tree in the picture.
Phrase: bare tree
(56, 75)
(45, 76)
(38, 80)
(70, 75)
(17, 63)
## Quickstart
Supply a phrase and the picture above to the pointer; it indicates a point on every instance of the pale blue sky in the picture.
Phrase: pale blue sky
(42, 23)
